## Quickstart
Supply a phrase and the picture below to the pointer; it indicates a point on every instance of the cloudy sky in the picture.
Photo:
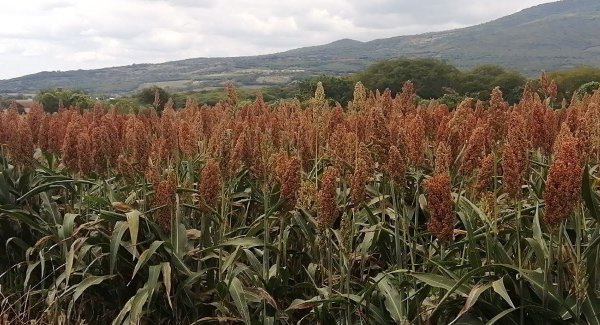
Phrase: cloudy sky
(47, 35)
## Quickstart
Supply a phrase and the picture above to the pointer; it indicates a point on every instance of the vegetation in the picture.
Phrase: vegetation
(429, 76)
(241, 212)
(570, 80)
(53, 99)
(339, 89)
(436, 79)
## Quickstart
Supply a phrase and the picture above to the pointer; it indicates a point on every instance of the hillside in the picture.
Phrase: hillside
(550, 36)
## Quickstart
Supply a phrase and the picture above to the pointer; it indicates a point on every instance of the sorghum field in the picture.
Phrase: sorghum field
(381, 212)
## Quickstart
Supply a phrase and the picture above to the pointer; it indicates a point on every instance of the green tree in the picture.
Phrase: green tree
(587, 88)
(431, 77)
(125, 105)
(481, 80)
(52, 98)
(570, 80)
(155, 96)
(337, 89)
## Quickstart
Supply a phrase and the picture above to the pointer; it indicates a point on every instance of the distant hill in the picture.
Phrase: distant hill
(550, 36)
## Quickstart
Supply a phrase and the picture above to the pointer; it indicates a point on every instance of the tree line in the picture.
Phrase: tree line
(432, 78)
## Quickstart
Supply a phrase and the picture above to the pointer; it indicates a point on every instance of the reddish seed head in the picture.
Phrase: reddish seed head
(415, 139)
(137, 144)
(20, 144)
(85, 158)
(165, 197)
(563, 185)
(242, 151)
(70, 144)
(186, 140)
(395, 166)
(289, 179)
(485, 174)
(327, 211)
(440, 206)
(515, 155)
(210, 185)
(358, 181)
(379, 135)
(474, 150)
(443, 158)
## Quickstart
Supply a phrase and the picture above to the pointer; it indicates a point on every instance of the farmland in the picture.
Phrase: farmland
(384, 211)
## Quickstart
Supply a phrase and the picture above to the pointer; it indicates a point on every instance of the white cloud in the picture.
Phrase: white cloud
(38, 35)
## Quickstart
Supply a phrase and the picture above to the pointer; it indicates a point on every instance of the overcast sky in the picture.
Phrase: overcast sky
(47, 35)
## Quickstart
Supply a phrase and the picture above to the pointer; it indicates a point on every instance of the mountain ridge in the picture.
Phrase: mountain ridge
(555, 35)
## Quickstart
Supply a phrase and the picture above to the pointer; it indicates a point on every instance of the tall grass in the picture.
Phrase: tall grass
(385, 211)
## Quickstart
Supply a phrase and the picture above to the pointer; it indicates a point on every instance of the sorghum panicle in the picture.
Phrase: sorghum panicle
(440, 206)
(165, 197)
(443, 158)
(395, 166)
(563, 186)
(358, 181)
(327, 211)
(209, 187)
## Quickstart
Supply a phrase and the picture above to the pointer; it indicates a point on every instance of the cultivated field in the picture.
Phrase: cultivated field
(382, 212)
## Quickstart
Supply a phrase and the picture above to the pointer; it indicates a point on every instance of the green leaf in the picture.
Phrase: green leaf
(30, 268)
(145, 256)
(137, 306)
(393, 301)
(46, 187)
(126, 308)
(152, 283)
(115, 242)
(472, 299)
(373, 311)
(537, 233)
(133, 222)
(440, 281)
(589, 196)
(501, 315)
(244, 241)
(166, 272)
(591, 309)
(236, 291)
(500, 289)
(88, 282)
(68, 224)
(70, 258)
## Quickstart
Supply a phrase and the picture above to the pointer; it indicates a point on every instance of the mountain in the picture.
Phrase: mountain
(550, 36)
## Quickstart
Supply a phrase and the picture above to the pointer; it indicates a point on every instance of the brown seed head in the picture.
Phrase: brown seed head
(20, 145)
(359, 97)
(514, 157)
(101, 155)
(474, 150)
(395, 166)
(358, 181)
(443, 158)
(327, 212)
(485, 174)
(290, 182)
(415, 140)
(70, 145)
(407, 97)
(186, 140)
(440, 206)
(563, 185)
(307, 195)
(85, 158)
(165, 197)
(210, 185)
(379, 134)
